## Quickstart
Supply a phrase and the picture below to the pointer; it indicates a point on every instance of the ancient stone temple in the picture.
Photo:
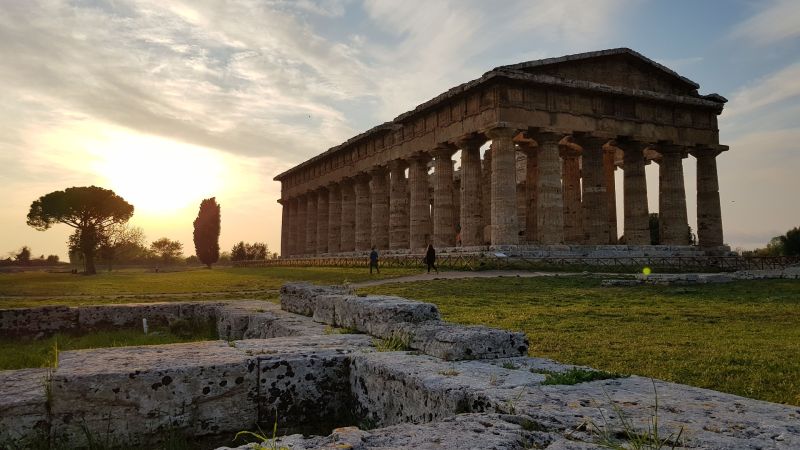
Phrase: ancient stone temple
(556, 130)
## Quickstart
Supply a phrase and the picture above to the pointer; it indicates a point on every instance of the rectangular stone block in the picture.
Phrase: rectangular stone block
(23, 405)
(127, 315)
(136, 393)
(378, 315)
(32, 321)
(458, 342)
(299, 297)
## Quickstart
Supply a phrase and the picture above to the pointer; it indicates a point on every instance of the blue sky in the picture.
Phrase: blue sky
(168, 102)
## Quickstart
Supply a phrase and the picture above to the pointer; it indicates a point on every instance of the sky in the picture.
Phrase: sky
(168, 102)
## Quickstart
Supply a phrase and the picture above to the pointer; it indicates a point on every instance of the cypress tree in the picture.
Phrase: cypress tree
(206, 232)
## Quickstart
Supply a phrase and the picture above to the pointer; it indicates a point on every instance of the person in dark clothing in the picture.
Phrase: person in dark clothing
(373, 261)
(430, 258)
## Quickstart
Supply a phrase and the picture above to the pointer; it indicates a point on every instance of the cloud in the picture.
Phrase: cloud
(237, 77)
(779, 20)
(765, 92)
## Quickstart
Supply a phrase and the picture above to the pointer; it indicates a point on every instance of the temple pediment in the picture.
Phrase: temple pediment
(620, 67)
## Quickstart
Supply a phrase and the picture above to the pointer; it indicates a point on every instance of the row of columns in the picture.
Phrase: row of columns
(570, 198)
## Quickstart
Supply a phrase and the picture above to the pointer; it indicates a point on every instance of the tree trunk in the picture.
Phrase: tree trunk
(88, 257)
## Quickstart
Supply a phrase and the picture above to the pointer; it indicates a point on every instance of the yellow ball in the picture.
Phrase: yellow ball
(647, 271)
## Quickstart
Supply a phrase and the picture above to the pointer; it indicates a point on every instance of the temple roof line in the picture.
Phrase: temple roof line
(516, 72)
(596, 54)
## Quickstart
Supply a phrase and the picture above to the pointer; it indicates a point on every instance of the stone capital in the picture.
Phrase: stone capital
(470, 141)
(420, 157)
(668, 148)
(398, 164)
(568, 152)
(586, 140)
(545, 137)
(333, 187)
(501, 133)
(361, 177)
(706, 152)
(444, 151)
(378, 171)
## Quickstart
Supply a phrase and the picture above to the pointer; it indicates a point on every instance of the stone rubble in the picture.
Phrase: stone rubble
(314, 382)
(415, 323)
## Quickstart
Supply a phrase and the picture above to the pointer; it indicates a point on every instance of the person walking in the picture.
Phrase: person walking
(373, 261)
(430, 258)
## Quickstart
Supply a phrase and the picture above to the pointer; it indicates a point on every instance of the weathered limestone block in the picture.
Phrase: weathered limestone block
(392, 387)
(465, 431)
(458, 342)
(260, 320)
(379, 315)
(306, 389)
(47, 319)
(305, 379)
(199, 388)
(127, 315)
(23, 405)
(709, 419)
(299, 298)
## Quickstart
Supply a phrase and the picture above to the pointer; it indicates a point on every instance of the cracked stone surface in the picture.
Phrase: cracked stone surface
(489, 397)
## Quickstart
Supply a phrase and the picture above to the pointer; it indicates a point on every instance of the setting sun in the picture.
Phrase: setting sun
(158, 176)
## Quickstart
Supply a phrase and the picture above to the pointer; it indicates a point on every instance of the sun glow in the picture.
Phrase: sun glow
(158, 176)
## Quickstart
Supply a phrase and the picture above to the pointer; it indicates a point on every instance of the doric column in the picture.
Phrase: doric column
(334, 218)
(444, 221)
(419, 210)
(505, 229)
(550, 199)
(348, 222)
(380, 208)
(637, 215)
(531, 151)
(486, 196)
(709, 215)
(471, 211)
(571, 175)
(311, 223)
(302, 207)
(398, 205)
(611, 192)
(363, 212)
(291, 230)
(595, 196)
(284, 227)
(322, 221)
(672, 219)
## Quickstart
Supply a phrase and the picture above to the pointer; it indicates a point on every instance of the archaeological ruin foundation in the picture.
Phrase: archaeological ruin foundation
(558, 129)
(316, 366)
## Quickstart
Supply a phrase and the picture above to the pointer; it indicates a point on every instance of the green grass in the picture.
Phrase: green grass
(139, 285)
(741, 337)
(19, 353)
(575, 376)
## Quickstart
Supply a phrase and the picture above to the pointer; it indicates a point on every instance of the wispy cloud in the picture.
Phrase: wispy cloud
(777, 87)
(778, 20)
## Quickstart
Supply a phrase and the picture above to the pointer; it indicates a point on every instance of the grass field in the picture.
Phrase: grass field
(742, 338)
(19, 353)
(138, 285)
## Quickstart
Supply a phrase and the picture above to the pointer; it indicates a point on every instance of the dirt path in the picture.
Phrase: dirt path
(143, 295)
(457, 275)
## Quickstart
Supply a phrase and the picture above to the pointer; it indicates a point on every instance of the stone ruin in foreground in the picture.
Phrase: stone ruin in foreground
(458, 387)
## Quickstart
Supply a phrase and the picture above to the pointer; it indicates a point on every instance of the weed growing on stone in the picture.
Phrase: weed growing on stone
(510, 365)
(627, 437)
(452, 372)
(264, 443)
(395, 343)
(575, 376)
(340, 330)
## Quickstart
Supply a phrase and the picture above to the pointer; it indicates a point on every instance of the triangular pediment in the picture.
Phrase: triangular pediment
(621, 67)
